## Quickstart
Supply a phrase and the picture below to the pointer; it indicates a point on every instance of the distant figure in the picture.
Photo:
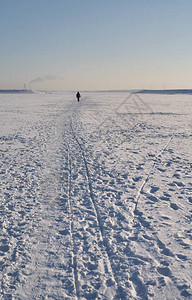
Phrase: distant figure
(78, 95)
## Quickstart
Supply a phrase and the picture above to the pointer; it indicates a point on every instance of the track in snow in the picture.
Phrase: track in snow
(76, 208)
(99, 221)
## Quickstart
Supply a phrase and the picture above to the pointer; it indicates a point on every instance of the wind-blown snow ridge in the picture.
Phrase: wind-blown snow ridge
(95, 196)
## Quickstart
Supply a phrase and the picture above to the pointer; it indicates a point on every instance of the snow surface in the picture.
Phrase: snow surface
(96, 196)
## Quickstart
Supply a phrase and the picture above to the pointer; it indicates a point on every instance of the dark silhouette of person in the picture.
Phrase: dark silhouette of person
(78, 95)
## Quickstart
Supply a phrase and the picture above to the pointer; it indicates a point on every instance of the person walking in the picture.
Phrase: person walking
(78, 95)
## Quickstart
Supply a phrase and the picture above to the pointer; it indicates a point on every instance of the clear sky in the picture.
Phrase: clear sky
(95, 44)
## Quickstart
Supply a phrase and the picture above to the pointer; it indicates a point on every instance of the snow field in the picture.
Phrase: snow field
(95, 196)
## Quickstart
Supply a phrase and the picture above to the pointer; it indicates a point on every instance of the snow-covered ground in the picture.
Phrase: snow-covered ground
(96, 196)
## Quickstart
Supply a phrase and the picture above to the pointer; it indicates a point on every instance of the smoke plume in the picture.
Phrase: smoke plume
(46, 77)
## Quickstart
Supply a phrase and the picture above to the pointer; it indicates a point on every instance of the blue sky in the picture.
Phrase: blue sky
(95, 44)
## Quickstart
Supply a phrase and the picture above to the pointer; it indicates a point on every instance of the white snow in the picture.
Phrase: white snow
(96, 196)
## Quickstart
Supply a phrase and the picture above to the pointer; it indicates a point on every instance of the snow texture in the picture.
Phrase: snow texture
(96, 196)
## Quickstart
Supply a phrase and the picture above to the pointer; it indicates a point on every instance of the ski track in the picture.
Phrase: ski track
(74, 258)
(95, 197)
(97, 214)
(100, 257)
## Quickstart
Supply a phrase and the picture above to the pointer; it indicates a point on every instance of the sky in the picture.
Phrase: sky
(95, 44)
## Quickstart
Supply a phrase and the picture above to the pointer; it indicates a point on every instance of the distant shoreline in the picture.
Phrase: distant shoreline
(175, 91)
(141, 91)
(16, 91)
